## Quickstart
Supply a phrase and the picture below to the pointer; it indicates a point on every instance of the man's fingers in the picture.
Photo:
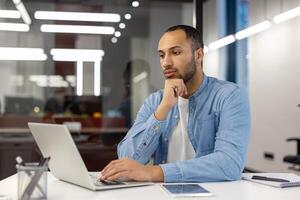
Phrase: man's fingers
(186, 92)
(110, 164)
(181, 89)
(175, 88)
(114, 168)
(106, 167)
(120, 175)
(110, 172)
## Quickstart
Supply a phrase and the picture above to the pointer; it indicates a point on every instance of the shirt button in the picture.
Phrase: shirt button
(176, 116)
(156, 127)
(163, 162)
(144, 143)
(166, 139)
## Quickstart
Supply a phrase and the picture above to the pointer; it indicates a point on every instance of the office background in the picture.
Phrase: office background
(105, 102)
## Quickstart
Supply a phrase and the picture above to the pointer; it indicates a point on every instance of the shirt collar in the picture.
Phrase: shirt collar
(202, 86)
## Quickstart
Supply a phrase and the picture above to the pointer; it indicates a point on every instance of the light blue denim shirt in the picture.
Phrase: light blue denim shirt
(218, 128)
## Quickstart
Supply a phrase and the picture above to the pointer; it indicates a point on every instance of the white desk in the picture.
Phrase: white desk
(237, 190)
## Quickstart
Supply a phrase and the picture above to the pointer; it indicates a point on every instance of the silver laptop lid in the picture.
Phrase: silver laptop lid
(66, 163)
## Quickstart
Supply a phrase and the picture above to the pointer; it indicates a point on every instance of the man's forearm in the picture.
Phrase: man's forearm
(142, 139)
(162, 112)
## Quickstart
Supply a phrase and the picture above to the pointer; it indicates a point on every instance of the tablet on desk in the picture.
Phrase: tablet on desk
(185, 190)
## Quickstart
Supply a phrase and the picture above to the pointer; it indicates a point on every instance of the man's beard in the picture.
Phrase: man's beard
(189, 75)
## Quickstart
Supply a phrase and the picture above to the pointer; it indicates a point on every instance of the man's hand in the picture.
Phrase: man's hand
(131, 170)
(173, 89)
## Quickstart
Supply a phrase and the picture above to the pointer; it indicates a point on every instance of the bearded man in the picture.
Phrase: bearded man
(196, 128)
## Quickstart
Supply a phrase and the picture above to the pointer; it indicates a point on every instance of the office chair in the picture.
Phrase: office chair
(294, 159)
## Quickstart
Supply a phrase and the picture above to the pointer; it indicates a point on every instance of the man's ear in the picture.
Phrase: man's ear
(199, 54)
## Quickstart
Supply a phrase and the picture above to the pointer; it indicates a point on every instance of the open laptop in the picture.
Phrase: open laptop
(66, 163)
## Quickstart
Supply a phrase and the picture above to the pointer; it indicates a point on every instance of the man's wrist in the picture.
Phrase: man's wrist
(161, 112)
(156, 173)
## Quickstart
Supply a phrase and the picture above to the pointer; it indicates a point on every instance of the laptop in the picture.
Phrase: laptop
(66, 164)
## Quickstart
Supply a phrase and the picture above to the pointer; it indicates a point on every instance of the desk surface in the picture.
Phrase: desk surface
(236, 190)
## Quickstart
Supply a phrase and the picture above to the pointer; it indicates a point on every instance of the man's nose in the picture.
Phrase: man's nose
(167, 61)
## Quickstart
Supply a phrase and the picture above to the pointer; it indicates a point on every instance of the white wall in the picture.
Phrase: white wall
(274, 86)
(162, 16)
(211, 26)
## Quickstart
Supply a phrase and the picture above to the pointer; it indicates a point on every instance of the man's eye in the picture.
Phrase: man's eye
(176, 52)
(161, 55)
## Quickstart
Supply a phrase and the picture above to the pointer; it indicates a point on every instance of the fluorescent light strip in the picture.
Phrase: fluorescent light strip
(75, 59)
(79, 78)
(16, 1)
(259, 27)
(140, 77)
(14, 27)
(10, 53)
(49, 81)
(24, 14)
(77, 16)
(33, 57)
(97, 78)
(221, 42)
(13, 14)
(253, 30)
(77, 54)
(287, 15)
(205, 49)
(106, 30)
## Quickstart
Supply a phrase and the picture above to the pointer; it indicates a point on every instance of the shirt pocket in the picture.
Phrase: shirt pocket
(206, 134)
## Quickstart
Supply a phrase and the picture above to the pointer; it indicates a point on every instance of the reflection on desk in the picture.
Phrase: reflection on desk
(236, 190)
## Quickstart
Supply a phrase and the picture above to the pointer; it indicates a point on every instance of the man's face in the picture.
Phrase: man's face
(177, 57)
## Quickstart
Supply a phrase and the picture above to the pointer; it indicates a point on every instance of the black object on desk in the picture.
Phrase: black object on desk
(294, 159)
(264, 178)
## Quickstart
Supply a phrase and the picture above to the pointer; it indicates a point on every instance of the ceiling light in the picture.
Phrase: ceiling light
(140, 77)
(88, 55)
(14, 14)
(77, 16)
(127, 16)
(24, 14)
(16, 1)
(71, 79)
(106, 30)
(135, 4)
(10, 53)
(114, 40)
(287, 15)
(117, 33)
(14, 27)
(205, 49)
(122, 25)
(253, 30)
(49, 81)
(221, 42)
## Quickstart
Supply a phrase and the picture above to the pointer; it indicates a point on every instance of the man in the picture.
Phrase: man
(197, 127)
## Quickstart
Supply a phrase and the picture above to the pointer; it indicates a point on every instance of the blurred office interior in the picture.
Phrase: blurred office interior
(91, 63)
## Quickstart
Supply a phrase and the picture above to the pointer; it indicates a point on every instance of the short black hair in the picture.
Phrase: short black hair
(191, 33)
